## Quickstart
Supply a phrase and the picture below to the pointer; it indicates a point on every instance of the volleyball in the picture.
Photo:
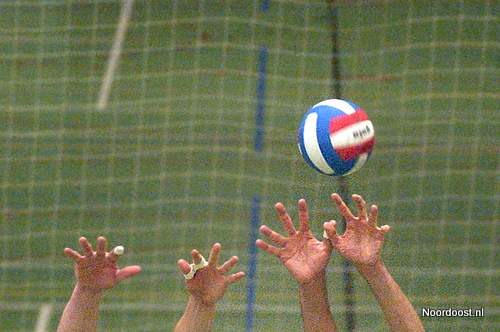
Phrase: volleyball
(336, 137)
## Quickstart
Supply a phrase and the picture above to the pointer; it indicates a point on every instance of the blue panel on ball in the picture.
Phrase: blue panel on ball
(300, 138)
(325, 114)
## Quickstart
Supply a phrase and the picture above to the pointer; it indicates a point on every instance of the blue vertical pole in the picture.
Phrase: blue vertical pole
(260, 109)
(255, 208)
(252, 262)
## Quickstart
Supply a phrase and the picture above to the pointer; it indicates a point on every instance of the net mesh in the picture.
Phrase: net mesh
(170, 163)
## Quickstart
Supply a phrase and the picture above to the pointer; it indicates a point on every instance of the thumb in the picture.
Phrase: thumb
(127, 272)
(331, 232)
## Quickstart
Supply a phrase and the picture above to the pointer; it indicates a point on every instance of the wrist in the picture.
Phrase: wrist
(88, 290)
(202, 304)
(318, 280)
(370, 271)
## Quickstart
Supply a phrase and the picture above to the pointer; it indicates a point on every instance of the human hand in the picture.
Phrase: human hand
(362, 240)
(209, 283)
(302, 254)
(97, 270)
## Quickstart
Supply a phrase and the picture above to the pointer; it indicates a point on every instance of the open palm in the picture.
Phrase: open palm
(97, 270)
(210, 282)
(362, 240)
(302, 254)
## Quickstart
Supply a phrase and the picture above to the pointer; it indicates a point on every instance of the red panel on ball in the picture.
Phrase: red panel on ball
(347, 120)
(353, 152)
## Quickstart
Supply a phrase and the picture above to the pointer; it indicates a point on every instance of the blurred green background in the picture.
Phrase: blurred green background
(170, 164)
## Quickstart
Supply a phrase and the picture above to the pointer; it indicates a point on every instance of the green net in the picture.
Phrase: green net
(167, 162)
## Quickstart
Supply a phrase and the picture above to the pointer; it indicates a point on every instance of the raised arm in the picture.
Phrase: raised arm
(95, 271)
(361, 244)
(306, 259)
(206, 287)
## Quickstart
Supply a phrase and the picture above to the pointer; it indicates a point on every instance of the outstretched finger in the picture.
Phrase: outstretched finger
(235, 277)
(285, 219)
(73, 254)
(214, 255)
(303, 215)
(361, 205)
(229, 264)
(268, 248)
(101, 247)
(127, 272)
(331, 231)
(274, 236)
(184, 266)
(344, 210)
(86, 246)
(196, 256)
(372, 219)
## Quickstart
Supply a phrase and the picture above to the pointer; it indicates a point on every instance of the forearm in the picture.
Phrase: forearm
(198, 317)
(398, 311)
(315, 307)
(81, 312)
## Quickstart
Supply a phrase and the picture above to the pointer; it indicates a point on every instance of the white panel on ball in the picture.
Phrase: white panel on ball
(345, 137)
(312, 146)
